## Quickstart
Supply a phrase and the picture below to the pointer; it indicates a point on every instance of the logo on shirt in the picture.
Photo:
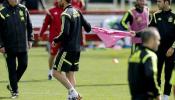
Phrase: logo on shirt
(21, 13)
(55, 13)
(159, 19)
(7, 15)
(170, 19)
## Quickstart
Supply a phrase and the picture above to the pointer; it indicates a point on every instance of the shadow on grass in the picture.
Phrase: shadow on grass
(99, 85)
(2, 98)
(28, 81)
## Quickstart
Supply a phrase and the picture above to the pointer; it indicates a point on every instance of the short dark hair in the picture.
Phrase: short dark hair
(148, 33)
(68, 1)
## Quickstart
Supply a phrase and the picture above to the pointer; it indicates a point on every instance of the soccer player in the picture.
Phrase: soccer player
(138, 19)
(53, 21)
(142, 70)
(15, 39)
(164, 21)
(67, 59)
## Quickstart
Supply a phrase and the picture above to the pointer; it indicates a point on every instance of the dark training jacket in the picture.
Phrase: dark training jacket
(15, 28)
(71, 30)
(142, 73)
(164, 21)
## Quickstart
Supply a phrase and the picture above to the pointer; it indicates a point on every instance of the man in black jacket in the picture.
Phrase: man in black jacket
(67, 59)
(142, 70)
(164, 21)
(15, 40)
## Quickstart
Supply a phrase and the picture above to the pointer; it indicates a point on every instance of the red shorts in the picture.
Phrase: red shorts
(54, 50)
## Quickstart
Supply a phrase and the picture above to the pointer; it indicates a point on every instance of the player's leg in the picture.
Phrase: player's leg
(71, 77)
(53, 53)
(161, 60)
(11, 64)
(169, 64)
(22, 64)
(62, 78)
(141, 97)
(61, 64)
(51, 60)
(74, 59)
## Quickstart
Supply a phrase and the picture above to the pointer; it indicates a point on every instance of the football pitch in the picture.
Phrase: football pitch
(99, 77)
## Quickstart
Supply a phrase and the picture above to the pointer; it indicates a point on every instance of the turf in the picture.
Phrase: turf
(98, 79)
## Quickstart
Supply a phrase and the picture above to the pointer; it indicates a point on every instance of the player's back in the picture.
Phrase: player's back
(76, 19)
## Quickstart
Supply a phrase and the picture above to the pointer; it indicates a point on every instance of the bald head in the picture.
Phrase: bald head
(150, 38)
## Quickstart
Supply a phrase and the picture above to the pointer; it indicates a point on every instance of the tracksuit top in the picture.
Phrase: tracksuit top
(71, 29)
(142, 72)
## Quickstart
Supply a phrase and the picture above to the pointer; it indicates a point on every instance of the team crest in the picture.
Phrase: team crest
(159, 19)
(170, 19)
(7, 15)
(21, 13)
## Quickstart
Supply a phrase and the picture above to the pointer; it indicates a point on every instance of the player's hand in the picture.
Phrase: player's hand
(30, 44)
(133, 33)
(2, 50)
(170, 52)
(158, 97)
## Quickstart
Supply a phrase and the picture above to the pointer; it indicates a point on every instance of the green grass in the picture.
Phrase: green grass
(98, 79)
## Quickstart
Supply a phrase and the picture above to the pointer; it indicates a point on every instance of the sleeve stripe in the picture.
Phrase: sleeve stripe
(2, 16)
(62, 26)
(124, 19)
(66, 15)
(173, 46)
(145, 58)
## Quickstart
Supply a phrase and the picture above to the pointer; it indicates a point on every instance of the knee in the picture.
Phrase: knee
(55, 73)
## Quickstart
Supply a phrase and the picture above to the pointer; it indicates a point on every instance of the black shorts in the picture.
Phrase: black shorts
(67, 61)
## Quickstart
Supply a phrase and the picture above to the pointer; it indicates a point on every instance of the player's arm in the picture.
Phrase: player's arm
(150, 74)
(29, 27)
(65, 28)
(85, 24)
(127, 18)
(45, 25)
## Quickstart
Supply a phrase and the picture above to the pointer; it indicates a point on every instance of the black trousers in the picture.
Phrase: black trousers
(142, 97)
(169, 63)
(17, 64)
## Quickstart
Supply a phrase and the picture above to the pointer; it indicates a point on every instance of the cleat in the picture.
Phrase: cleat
(77, 98)
(49, 77)
(14, 95)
